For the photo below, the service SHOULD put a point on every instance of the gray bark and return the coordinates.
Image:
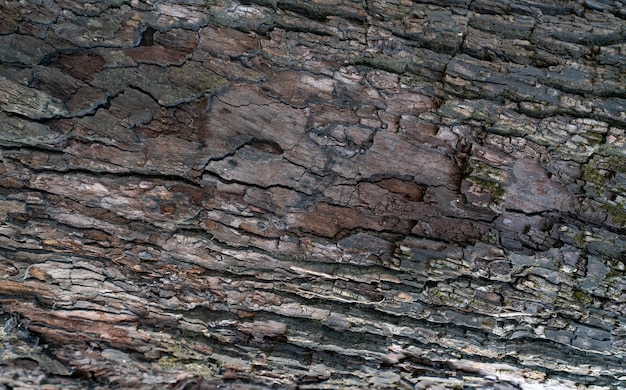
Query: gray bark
(312, 194)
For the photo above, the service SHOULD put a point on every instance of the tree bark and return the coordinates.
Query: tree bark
(312, 194)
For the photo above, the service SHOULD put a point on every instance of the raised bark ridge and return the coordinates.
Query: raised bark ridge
(368, 193)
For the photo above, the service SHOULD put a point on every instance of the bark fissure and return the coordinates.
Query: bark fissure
(299, 194)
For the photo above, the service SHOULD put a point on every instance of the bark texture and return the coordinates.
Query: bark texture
(322, 194)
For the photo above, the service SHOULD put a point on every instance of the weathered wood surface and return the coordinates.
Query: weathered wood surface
(385, 193)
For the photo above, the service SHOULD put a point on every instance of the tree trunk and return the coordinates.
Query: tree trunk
(312, 193)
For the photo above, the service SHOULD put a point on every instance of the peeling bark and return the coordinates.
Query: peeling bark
(306, 194)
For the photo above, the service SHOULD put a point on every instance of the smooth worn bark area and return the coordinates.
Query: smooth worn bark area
(312, 194)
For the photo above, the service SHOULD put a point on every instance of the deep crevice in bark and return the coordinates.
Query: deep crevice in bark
(304, 194)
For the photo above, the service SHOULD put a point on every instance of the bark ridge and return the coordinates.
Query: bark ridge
(313, 194)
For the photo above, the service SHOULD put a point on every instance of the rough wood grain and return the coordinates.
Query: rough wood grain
(312, 194)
